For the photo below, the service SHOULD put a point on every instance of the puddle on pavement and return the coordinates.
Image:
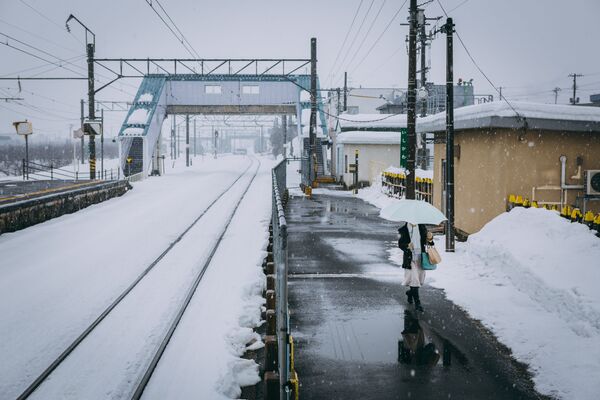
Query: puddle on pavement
(390, 335)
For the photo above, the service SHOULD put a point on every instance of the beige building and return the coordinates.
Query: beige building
(498, 153)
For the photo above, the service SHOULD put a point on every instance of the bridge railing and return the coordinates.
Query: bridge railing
(280, 259)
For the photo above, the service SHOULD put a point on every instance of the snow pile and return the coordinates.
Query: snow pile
(531, 277)
(139, 116)
(421, 173)
(146, 98)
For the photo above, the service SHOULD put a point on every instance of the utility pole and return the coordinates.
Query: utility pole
(423, 40)
(448, 28)
(91, 108)
(575, 100)
(500, 92)
(345, 91)
(312, 133)
(82, 143)
(172, 137)
(187, 140)
(195, 137)
(556, 90)
(411, 100)
(102, 144)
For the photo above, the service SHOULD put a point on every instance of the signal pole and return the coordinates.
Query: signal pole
(411, 100)
(575, 100)
(312, 133)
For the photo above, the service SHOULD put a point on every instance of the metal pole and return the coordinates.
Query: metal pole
(284, 126)
(312, 133)
(195, 137)
(345, 91)
(187, 140)
(423, 37)
(82, 144)
(411, 101)
(91, 110)
(102, 143)
(27, 156)
(449, 29)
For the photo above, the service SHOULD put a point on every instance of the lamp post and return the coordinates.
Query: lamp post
(90, 48)
(24, 128)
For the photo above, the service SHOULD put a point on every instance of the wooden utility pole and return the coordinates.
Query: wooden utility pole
(411, 101)
(556, 90)
(448, 28)
(575, 100)
(345, 91)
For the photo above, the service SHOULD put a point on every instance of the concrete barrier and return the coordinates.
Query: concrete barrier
(22, 214)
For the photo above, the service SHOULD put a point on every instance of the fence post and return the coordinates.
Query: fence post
(51, 172)
(76, 176)
(23, 164)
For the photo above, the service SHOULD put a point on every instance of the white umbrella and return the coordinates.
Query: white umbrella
(412, 211)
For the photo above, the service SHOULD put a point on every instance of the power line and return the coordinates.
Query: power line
(357, 32)
(60, 27)
(181, 40)
(366, 35)
(478, 67)
(39, 36)
(380, 36)
(345, 39)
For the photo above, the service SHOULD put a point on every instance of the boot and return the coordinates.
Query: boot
(409, 296)
(415, 295)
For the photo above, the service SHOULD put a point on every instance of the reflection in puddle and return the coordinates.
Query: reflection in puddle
(421, 346)
(366, 337)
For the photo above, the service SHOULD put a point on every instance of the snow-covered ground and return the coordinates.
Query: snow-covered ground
(532, 278)
(56, 277)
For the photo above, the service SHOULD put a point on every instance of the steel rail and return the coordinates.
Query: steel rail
(165, 342)
(48, 371)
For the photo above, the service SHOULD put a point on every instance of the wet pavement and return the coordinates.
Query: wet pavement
(12, 191)
(357, 338)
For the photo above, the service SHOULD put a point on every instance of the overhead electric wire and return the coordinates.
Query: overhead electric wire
(39, 36)
(40, 66)
(345, 39)
(357, 33)
(60, 27)
(380, 36)
(366, 35)
(479, 68)
(181, 40)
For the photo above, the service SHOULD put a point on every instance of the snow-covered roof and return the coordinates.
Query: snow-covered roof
(500, 115)
(369, 137)
(373, 121)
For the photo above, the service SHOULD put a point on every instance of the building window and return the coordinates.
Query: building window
(212, 89)
(345, 163)
(250, 89)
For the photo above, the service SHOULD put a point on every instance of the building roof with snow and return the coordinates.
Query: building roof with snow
(369, 137)
(500, 114)
(371, 122)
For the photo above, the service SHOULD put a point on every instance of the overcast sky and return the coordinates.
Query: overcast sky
(526, 46)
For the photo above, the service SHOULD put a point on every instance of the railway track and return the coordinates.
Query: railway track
(149, 370)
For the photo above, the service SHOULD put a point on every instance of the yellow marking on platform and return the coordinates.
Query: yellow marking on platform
(45, 191)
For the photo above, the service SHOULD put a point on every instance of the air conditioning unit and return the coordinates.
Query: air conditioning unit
(592, 182)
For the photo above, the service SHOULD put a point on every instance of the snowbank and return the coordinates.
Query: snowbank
(532, 278)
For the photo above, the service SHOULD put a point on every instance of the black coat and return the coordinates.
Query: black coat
(404, 241)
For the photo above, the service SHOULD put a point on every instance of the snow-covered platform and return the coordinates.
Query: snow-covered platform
(349, 315)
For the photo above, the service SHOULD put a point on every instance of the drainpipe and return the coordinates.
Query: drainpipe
(563, 176)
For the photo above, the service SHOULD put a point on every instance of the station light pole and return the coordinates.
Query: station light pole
(24, 128)
(90, 48)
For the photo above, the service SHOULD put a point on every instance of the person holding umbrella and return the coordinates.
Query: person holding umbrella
(412, 239)
(413, 236)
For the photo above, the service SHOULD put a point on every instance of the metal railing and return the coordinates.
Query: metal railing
(281, 274)
(36, 172)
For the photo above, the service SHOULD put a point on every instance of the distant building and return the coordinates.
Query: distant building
(499, 153)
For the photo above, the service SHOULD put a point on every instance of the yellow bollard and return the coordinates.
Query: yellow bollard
(534, 204)
(526, 203)
(575, 215)
(511, 202)
(588, 219)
